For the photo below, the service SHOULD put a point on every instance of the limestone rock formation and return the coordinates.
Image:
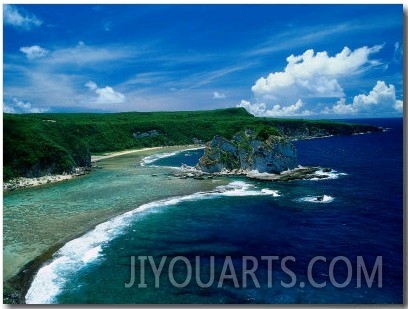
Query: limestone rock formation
(245, 152)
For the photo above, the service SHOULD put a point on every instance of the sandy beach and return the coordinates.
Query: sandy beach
(24, 182)
(21, 266)
(97, 158)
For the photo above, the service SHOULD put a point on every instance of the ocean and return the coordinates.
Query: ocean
(337, 240)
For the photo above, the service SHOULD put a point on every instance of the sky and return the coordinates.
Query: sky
(309, 61)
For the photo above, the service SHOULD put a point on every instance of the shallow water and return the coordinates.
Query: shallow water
(35, 219)
(359, 214)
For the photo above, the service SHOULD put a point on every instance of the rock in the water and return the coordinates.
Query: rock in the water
(246, 153)
(320, 198)
(297, 173)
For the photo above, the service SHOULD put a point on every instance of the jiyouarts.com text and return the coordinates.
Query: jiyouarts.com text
(211, 271)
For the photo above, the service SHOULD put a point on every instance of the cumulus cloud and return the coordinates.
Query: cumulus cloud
(18, 18)
(260, 109)
(318, 77)
(381, 99)
(398, 106)
(17, 106)
(218, 95)
(105, 95)
(8, 109)
(33, 52)
(313, 74)
(256, 109)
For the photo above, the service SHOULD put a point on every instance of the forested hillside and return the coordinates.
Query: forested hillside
(40, 144)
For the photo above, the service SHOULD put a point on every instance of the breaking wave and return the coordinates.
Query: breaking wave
(78, 253)
(317, 199)
(150, 159)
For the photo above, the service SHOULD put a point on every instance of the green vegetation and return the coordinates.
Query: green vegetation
(39, 144)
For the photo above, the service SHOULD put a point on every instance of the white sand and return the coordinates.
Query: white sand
(23, 182)
(120, 153)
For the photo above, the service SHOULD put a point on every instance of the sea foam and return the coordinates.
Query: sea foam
(332, 174)
(76, 254)
(150, 159)
(317, 199)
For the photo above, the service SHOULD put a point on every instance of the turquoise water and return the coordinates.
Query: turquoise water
(361, 215)
(35, 219)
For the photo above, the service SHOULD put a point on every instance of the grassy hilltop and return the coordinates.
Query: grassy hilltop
(39, 144)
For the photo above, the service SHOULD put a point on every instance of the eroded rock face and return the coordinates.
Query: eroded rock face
(246, 153)
(211, 161)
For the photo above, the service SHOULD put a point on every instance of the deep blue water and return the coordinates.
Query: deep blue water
(361, 215)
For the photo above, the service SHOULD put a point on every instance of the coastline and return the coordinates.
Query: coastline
(108, 155)
(16, 286)
(25, 182)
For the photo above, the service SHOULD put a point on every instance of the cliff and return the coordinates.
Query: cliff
(40, 144)
(247, 152)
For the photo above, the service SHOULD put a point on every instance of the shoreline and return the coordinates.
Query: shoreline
(16, 287)
(26, 182)
(96, 158)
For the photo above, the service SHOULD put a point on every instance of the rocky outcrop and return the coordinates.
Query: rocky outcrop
(298, 173)
(150, 133)
(247, 153)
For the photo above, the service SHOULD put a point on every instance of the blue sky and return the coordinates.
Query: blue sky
(310, 61)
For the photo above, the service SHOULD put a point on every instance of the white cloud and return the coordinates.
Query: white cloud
(58, 79)
(80, 44)
(295, 38)
(91, 85)
(218, 95)
(397, 47)
(17, 106)
(259, 109)
(398, 105)
(83, 54)
(256, 109)
(39, 84)
(146, 78)
(319, 76)
(201, 79)
(14, 17)
(106, 95)
(398, 52)
(34, 51)
(313, 74)
(381, 99)
(340, 108)
(8, 109)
